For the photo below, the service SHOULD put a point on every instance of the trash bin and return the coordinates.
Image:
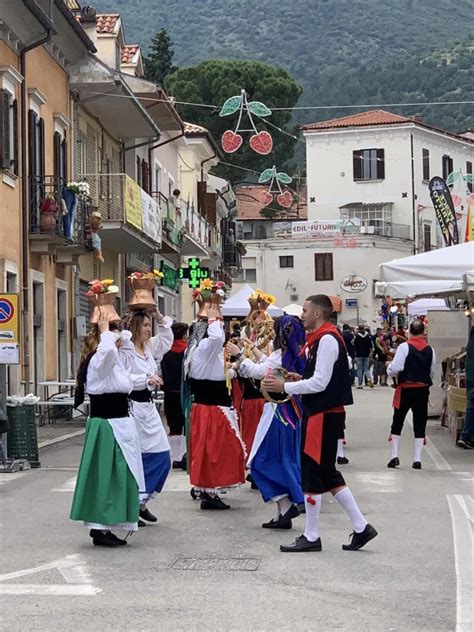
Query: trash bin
(22, 440)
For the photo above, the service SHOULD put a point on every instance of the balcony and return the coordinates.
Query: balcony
(199, 236)
(59, 225)
(131, 219)
(257, 231)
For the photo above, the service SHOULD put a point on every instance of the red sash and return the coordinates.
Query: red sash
(419, 343)
(314, 433)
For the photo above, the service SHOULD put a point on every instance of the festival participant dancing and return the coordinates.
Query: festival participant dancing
(216, 453)
(325, 389)
(110, 474)
(414, 364)
(275, 458)
(140, 355)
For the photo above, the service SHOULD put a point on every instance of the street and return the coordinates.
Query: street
(200, 570)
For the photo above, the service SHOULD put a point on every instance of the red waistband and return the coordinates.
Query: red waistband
(397, 396)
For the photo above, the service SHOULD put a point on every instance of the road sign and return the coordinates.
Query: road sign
(351, 302)
(9, 329)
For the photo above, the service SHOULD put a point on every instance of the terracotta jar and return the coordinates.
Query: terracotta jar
(204, 304)
(104, 303)
(142, 298)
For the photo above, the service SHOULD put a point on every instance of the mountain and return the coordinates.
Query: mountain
(342, 51)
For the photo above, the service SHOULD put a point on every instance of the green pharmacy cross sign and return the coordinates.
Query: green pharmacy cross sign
(193, 274)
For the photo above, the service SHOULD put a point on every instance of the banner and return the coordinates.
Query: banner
(444, 209)
(133, 203)
(151, 217)
(324, 228)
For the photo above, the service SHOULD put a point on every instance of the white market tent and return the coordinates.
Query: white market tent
(422, 305)
(439, 272)
(293, 309)
(238, 306)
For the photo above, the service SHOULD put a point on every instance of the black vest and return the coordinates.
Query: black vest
(251, 388)
(338, 392)
(417, 366)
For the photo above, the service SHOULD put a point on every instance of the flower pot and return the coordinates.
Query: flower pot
(104, 303)
(142, 298)
(205, 303)
(48, 222)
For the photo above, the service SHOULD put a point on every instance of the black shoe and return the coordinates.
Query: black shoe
(147, 515)
(121, 541)
(341, 460)
(180, 465)
(195, 495)
(277, 524)
(212, 502)
(394, 462)
(301, 508)
(360, 539)
(465, 444)
(99, 538)
(141, 523)
(301, 545)
(416, 465)
(249, 478)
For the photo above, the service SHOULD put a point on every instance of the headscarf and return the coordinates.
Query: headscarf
(292, 337)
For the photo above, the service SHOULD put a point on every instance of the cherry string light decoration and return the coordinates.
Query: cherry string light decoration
(284, 196)
(231, 141)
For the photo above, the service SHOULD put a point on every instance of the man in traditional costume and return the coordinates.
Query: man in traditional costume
(325, 389)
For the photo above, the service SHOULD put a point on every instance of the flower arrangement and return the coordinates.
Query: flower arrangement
(154, 275)
(81, 189)
(106, 286)
(208, 288)
(261, 296)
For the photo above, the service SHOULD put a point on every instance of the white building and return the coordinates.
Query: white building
(371, 169)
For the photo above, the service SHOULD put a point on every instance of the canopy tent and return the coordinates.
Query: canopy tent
(436, 273)
(422, 305)
(237, 305)
(293, 309)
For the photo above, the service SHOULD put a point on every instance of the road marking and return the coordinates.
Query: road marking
(7, 478)
(462, 518)
(464, 476)
(71, 435)
(67, 486)
(72, 568)
(386, 482)
(434, 454)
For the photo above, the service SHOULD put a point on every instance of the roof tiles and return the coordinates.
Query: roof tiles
(372, 117)
(107, 22)
(128, 53)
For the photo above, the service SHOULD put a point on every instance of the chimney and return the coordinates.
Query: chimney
(88, 22)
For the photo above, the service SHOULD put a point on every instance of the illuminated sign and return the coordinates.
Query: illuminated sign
(193, 274)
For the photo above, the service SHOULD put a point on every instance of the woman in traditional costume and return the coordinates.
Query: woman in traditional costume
(275, 457)
(140, 355)
(110, 476)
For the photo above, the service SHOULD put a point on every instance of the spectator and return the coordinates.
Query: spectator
(363, 348)
(349, 340)
(380, 358)
(172, 370)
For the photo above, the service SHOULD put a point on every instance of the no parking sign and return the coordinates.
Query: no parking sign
(9, 330)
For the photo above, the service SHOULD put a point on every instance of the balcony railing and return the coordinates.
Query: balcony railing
(55, 212)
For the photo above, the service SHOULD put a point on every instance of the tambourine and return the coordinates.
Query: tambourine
(276, 398)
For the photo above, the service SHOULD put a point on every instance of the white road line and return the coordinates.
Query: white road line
(462, 518)
(68, 590)
(67, 486)
(65, 437)
(8, 478)
(386, 482)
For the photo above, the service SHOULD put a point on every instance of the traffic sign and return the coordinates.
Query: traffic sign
(351, 302)
(9, 329)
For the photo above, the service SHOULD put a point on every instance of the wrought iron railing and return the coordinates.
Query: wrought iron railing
(57, 211)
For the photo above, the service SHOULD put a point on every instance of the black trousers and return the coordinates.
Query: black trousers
(174, 412)
(416, 400)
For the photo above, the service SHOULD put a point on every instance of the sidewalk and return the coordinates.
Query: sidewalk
(50, 434)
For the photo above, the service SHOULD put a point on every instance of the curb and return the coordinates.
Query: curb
(71, 435)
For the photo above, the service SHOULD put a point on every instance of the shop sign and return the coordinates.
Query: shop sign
(194, 274)
(9, 329)
(170, 278)
(353, 283)
(318, 229)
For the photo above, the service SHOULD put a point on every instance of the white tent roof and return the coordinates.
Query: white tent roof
(422, 305)
(293, 309)
(238, 305)
(439, 272)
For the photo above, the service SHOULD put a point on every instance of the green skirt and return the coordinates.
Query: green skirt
(106, 493)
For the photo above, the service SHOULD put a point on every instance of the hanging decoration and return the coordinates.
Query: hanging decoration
(284, 197)
(261, 142)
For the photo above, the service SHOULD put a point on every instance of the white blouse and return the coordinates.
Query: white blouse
(257, 370)
(207, 362)
(106, 373)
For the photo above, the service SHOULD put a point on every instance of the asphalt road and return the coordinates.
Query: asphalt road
(204, 571)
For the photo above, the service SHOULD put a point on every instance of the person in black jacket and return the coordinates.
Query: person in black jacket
(363, 347)
(172, 371)
(349, 340)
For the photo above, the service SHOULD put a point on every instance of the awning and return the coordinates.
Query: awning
(107, 96)
(238, 305)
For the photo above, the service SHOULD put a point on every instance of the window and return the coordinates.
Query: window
(60, 156)
(469, 172)
(323, 266)
(373, 219)
(8, 132)
(426, 164)
(426, 237)
(36, 158)
(369, 164)
(157, 184)
(447, 164)
(287, 261)
(250, 275)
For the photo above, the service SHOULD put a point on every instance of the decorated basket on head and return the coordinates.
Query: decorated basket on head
(102, 295)
(259, 323)
(209, 293)
(143, 285)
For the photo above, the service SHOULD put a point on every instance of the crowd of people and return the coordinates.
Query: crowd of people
(266, 404)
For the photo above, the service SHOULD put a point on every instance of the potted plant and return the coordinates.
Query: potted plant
(241, 248)
(48, 208)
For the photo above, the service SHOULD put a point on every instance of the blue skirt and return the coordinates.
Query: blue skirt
(276, 467)
(156, 466)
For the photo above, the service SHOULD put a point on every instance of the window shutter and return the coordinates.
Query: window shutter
(4, 129)
(42, 169)
(32, 118)
(15, 168)
(64, 157)
(57, 154)
(357, 164)
(380, 164)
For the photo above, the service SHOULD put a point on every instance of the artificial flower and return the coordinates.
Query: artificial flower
(158, 273)
(113, 289)
(220, 292)
(206, 284)
(107, 282)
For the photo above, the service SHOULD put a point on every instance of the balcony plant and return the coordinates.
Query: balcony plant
(240, 248)
(48, 208)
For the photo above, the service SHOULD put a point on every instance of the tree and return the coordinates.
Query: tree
(160, 62)
(213, 82)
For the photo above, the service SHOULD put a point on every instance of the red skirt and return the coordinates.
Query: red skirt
(216, 452)
(252, 410)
